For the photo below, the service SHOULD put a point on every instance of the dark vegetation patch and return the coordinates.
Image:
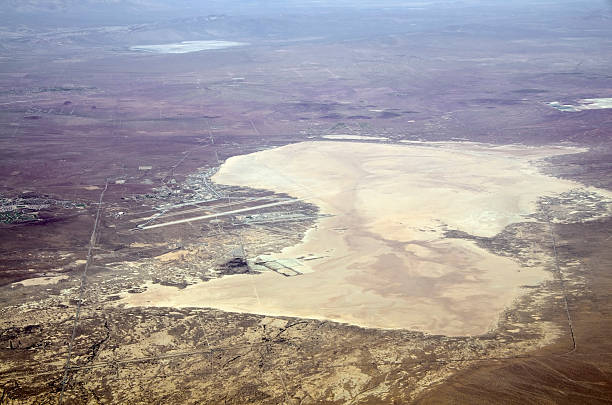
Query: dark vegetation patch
(389, 114)
(530, 91)
(334, 116)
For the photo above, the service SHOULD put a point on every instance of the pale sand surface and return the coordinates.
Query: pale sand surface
(42, 280)
(386, 261)
(584, 104)
(340, 137)
(186, 46)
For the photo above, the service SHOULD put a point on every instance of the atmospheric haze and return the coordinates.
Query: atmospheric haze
(305, 201)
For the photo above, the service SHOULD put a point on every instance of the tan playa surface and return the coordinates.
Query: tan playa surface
(387, 263)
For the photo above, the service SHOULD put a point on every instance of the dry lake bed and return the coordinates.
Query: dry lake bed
(383, 258)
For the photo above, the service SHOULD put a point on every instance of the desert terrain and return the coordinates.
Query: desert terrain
(381, 258)
(303, 203)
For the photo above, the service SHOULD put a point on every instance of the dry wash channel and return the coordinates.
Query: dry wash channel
(383, 258)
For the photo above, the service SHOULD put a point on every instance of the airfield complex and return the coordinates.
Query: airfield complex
(267, 209)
